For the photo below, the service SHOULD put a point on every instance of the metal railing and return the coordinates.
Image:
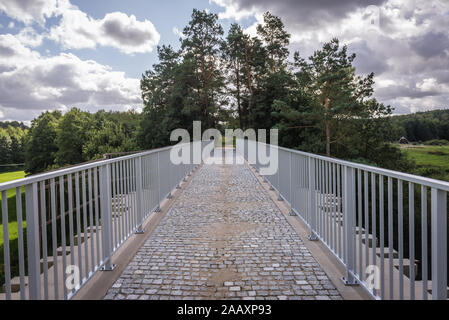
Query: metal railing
(60, 227)
(389, 229)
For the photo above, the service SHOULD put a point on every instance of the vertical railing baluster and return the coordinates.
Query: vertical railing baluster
(340, 250)
(85, 232)
(54, 233)
(366, 205)
(401, 238)
(411, 221)
(140, 215)
(97, 219)
(63, 235)
(292, 212)
(337, 216)
(327, 207)
(312, 199)
(128, 198)
(424, 258)
(411, 230)
(158, 209)
(6, 256)
(20, 242)
(373, 222)
(44, 237)
(32, 219)
(382, 239)
(439, 244)
(349, 224)
(71, 232)
(106, 221)
(78, 221)
(360, 234)
(321, 206)
(390, 235)
(91, 221)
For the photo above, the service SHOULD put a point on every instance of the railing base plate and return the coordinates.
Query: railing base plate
(292, 213)
(108, 268)
(141, 231)
(347, 282)
(312, 237)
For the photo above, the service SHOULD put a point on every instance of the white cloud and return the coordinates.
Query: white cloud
(232, 10)
(77, 30)
(28, 11)
(29, 37)
(11, 25)
(31, 83)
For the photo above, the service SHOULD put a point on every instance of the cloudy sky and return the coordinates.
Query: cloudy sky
(57, 54)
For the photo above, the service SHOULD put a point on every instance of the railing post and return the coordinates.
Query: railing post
(349, 196)
(312, 200)
(278, 178)
(292, 212)
(139, 206)
(158, 209)
(33, 248)
(439, 244)
(106, 216)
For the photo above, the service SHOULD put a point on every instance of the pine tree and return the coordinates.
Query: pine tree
(202, 43)
(336, 92)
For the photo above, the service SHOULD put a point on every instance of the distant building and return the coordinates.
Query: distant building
(403, 140)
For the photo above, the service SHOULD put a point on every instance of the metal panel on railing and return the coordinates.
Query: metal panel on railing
(388, 228)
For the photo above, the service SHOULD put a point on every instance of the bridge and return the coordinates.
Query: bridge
(142, 227)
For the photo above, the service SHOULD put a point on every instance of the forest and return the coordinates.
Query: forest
(423, 126)
(320, 103)
(12, 143)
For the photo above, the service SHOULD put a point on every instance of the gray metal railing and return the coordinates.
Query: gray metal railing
(68, 223)
(389, 229)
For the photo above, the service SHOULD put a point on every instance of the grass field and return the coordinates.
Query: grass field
(12, 224)
(5, 177)
(431, 161)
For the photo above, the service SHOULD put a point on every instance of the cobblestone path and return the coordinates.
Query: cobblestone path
(223, 238)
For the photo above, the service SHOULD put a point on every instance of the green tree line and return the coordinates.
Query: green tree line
(423, 126)
(55, 140)
(12, 142)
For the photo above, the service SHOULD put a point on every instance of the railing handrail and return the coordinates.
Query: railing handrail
(428, 182)
(64, 171)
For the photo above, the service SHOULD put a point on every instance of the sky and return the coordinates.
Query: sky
(58, 54)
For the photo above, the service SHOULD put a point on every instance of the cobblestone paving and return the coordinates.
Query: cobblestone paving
(223, 238)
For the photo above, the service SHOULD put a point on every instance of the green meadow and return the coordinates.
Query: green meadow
(12, 222)
(431, 161)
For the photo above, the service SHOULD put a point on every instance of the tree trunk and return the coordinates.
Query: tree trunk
(328, 138)
(250, 89)
(327, 125)
(238, 97)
